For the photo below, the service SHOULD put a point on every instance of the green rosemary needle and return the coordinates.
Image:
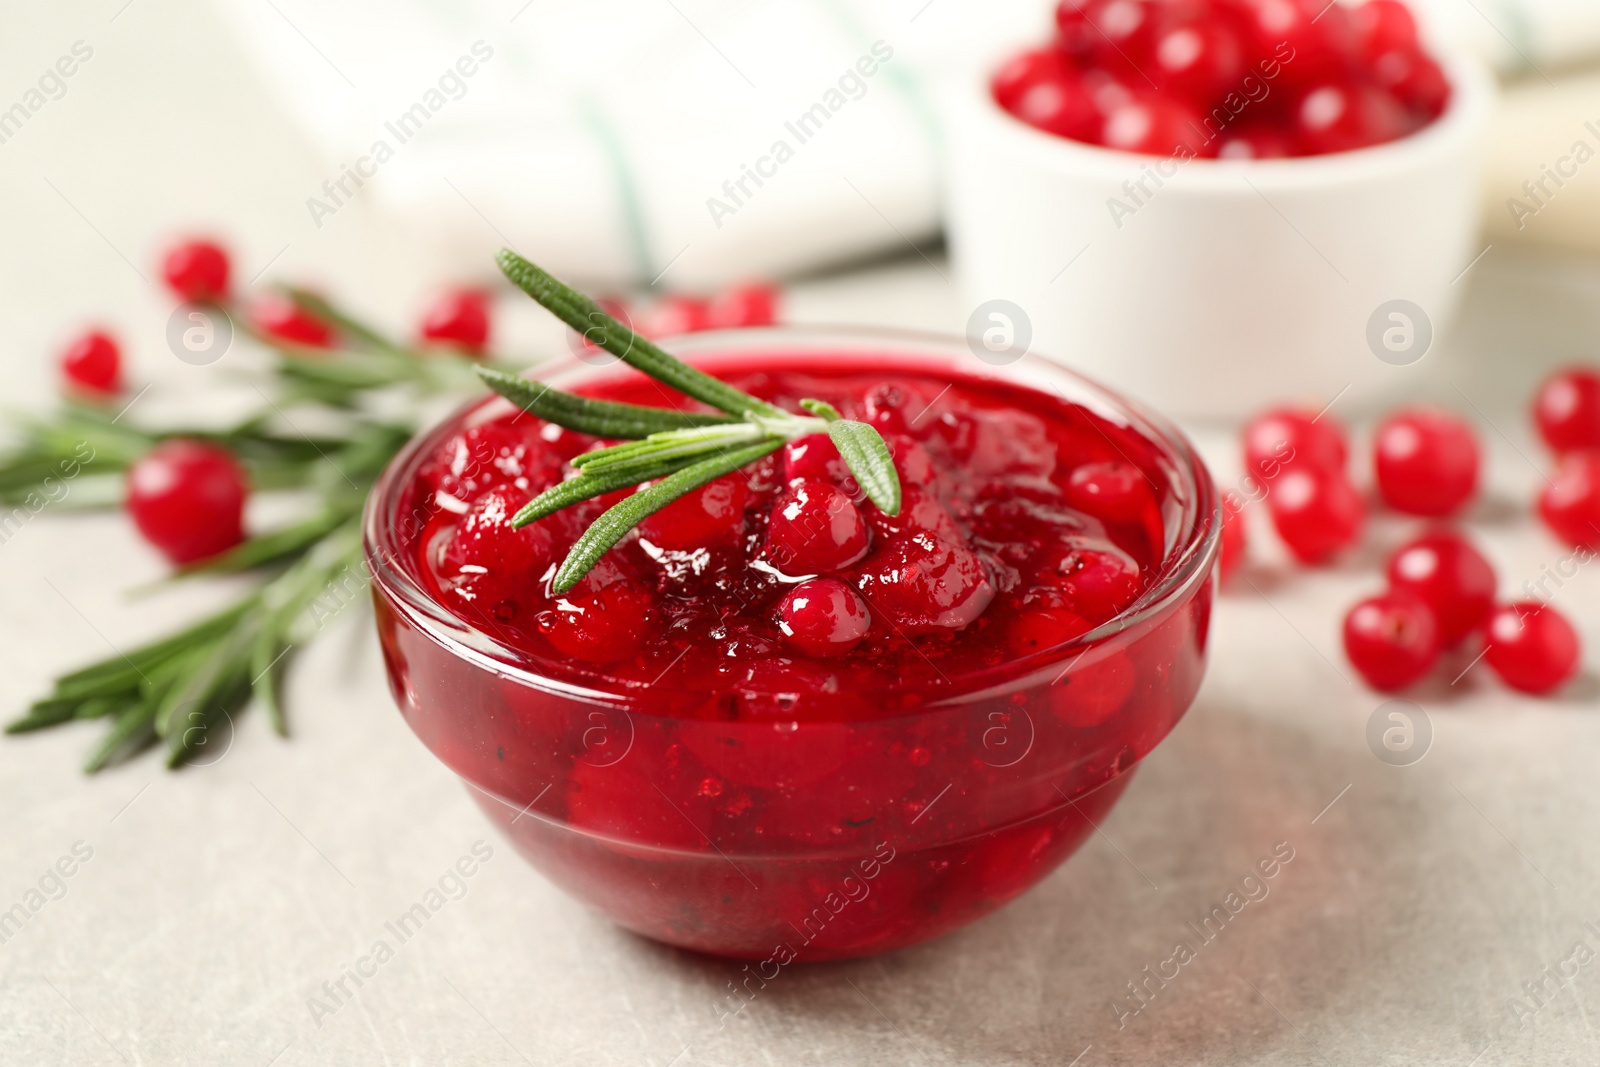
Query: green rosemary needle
(176, 690)
(676, 452)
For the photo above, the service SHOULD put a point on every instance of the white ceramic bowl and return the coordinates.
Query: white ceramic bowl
(1235, 283)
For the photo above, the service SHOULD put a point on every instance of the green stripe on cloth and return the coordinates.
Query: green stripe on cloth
(902, 77)
(1519, 35)
(599, 124)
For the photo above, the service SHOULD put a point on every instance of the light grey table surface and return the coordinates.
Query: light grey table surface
(217, 901)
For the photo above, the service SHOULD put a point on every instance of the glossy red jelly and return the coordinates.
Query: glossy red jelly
(778, 723)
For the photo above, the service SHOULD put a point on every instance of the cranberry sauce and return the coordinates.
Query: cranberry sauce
(775, 723)
(1026, 522)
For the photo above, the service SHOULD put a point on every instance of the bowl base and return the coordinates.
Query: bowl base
(806, 909)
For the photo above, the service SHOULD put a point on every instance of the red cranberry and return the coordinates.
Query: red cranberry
(1125, 32)
(1567, 409)
(494, 569)
(196, 270)
(564, 443)
(1042, 629)
(187, 498)
(1309, 41)
(604, 619)
(814, 456)
(507, 451)
(1095, 579)
(1113, 491)
(743, 306)
(1416, 81)
(815, 529)
(1060, 104)
(920, 513)
(920, 584)
(92, 364)
(459, 317)
(276, 315)
(1392, 639)
(1532, 647)
(1426, 461)
(1385, 26)
(625, 802)
(991, 448)
(1233, 542)
(707, 517)
(1075, 33)
(1199, 59)
(673, 315)
(1570, 503)
(1093, 690)
(1444, 571)
(1154, 126)
(1108, 92)
(1023, 71)
(1343, 78)
(1287, 437)
(912, 461)
(823, 617)
(896, 407)
(1341, 118)
(1316, 514)
(1004, 863)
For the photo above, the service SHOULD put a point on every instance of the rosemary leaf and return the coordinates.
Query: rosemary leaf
(822, 410)
(350, 371)
(269, 547)
(588, 486)
(643, 467)
(589, 319)
(199, 728)
(320, 308)
(267, 662)
(166, 684)
(675, 445)
(609, 528)
(118, 673)
(100, 707)
(42, 714)
(865, 453)
(602, 418)
(133, 730)
(600, 457)
(107, 678)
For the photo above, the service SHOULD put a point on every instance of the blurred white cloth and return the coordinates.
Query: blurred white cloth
(617, 140)
(596, 133)
(1520, 36)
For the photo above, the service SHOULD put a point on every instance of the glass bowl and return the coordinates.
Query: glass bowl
(811, 825)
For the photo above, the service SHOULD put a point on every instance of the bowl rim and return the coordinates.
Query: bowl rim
(1191, 552)
(1464, 120)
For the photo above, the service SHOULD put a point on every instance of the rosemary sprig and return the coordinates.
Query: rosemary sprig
(598, 327)
(866, 454)
(609, 528)
(178, 688)
(174, 691)
(602, 418)
(675, 452)
(178, 691)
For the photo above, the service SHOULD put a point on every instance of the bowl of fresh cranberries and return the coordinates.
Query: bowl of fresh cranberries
(774, 722)
(1210, 203)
